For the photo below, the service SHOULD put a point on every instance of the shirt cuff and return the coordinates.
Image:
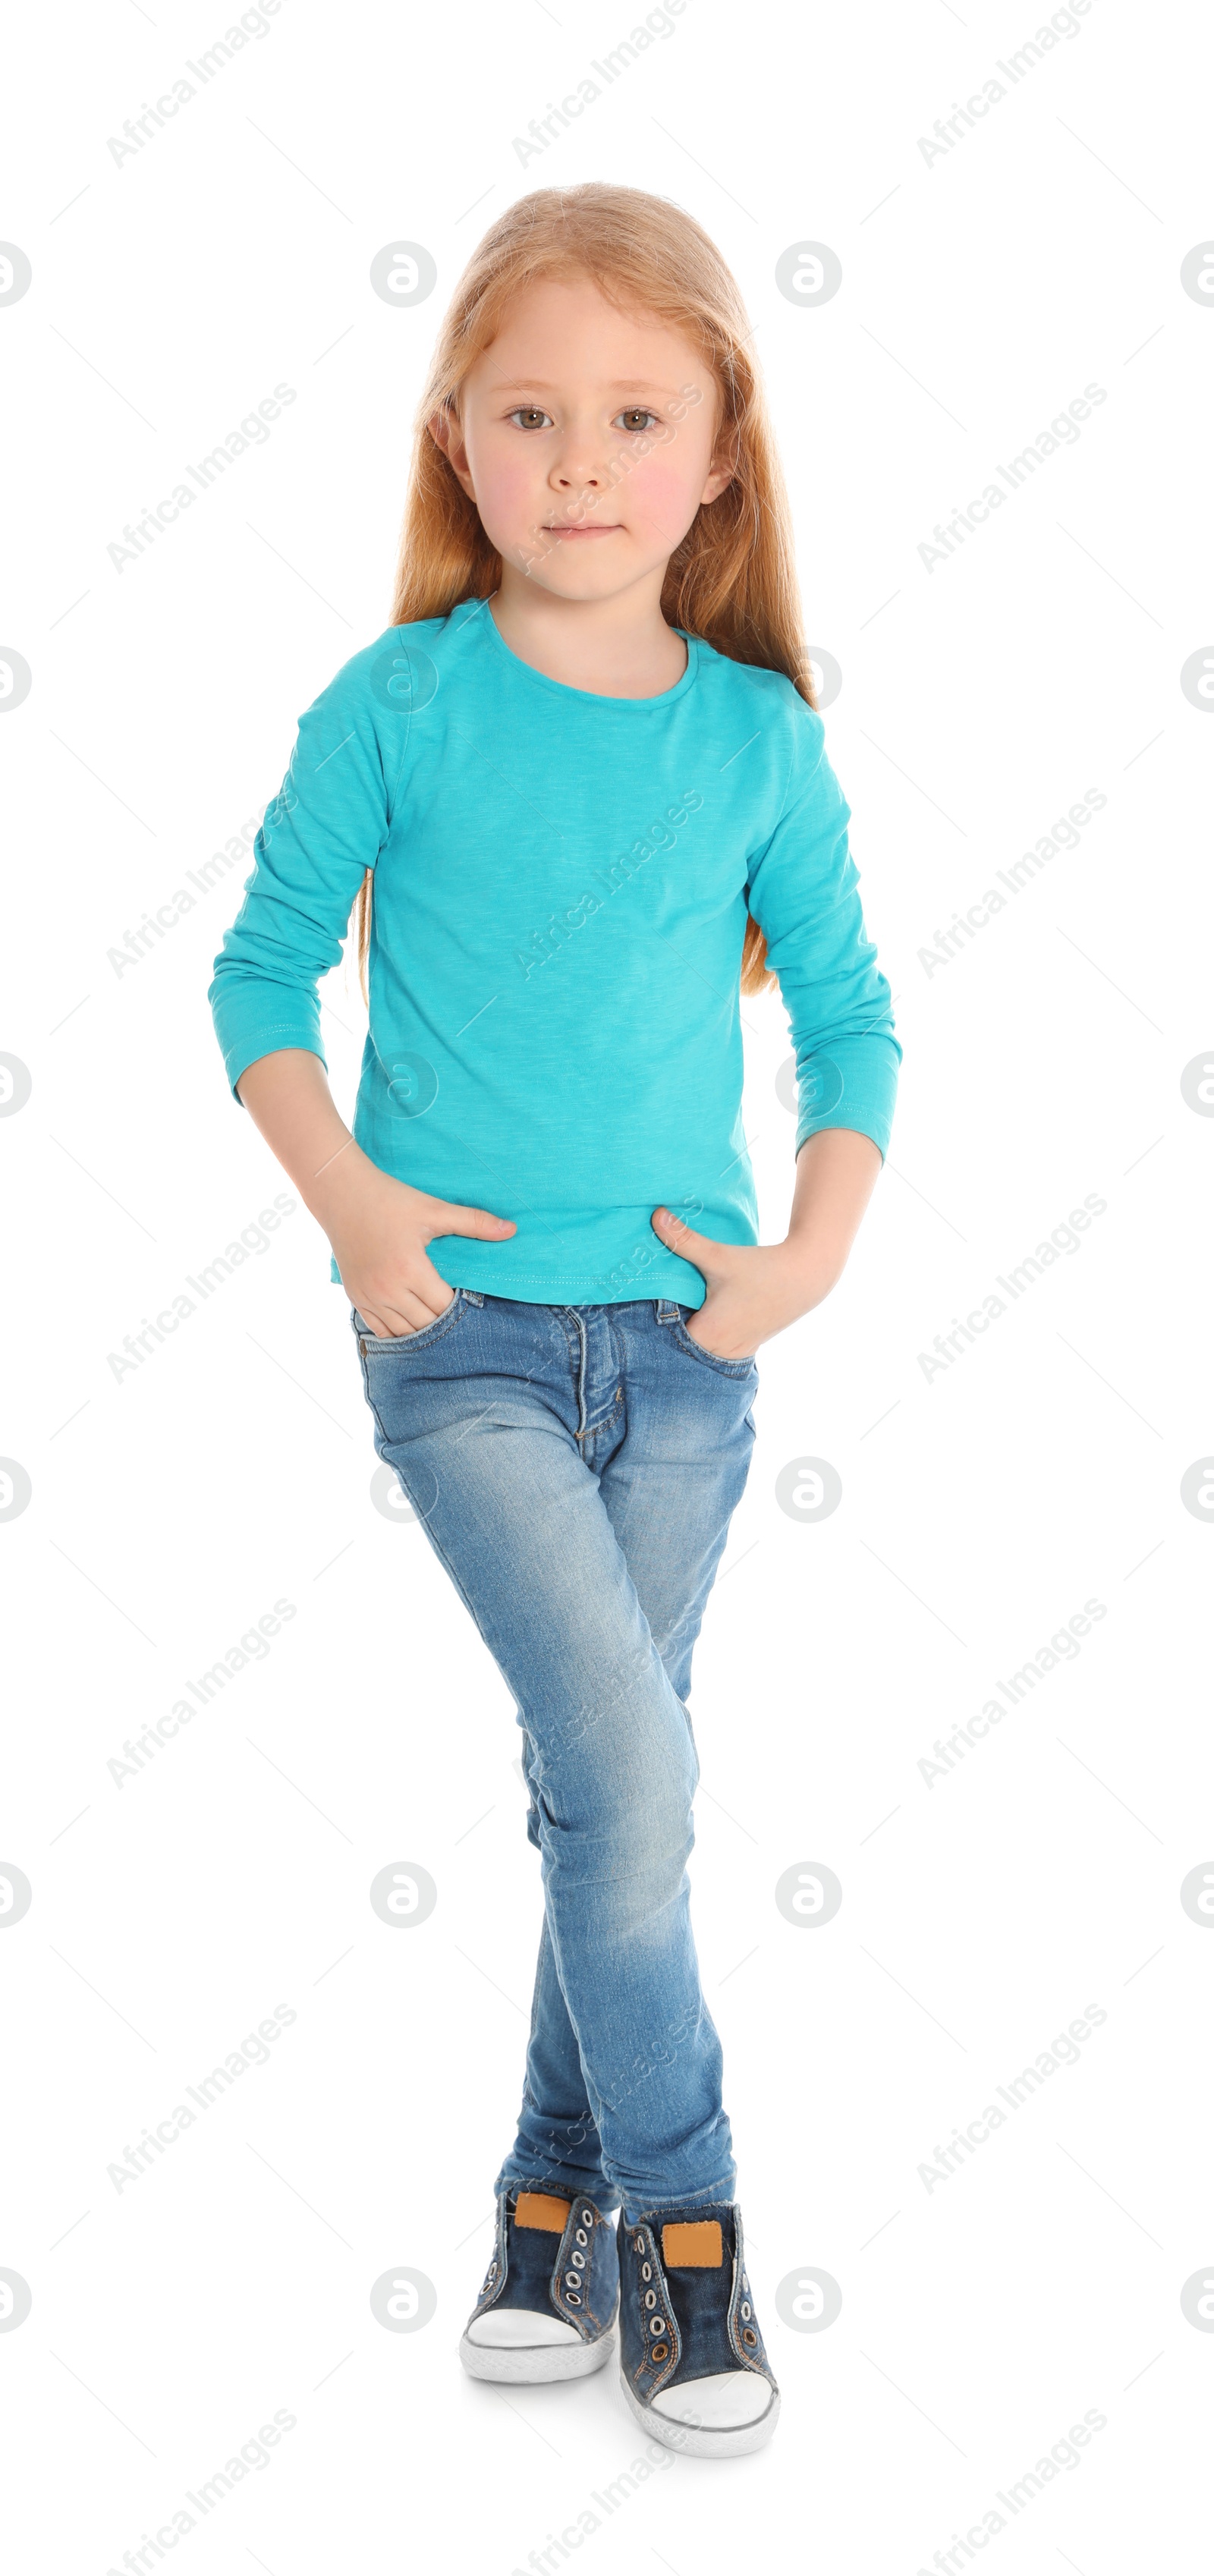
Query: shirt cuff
(854, 1085)
(240, 1052)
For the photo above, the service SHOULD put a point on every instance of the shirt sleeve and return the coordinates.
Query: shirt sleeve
(804, 894)
(327, 824)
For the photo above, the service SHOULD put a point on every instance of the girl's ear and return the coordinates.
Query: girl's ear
(445, 430)
(721, 471)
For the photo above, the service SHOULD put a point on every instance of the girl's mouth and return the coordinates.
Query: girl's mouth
(566, 533)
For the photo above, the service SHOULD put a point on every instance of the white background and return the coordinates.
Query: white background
(981, 1507)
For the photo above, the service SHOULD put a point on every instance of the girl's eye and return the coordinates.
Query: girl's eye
(638, 419)
(528, 416)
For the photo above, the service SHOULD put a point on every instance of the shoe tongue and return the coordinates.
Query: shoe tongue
(697, 2253)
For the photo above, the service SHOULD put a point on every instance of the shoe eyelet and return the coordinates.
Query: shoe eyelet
(573, 2281)
(659, 2352)
(581, 2236)
(571, 2299)
(647, 2271)
(577, 2258)
(749, 2336)
(493, 2272)
(651, 2298)
(587, 2218)
(638, 2244)
(657, 2325)
(746, 2307)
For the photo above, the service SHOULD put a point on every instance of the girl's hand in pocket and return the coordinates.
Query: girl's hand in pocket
(379, 1229)
(755, 1290)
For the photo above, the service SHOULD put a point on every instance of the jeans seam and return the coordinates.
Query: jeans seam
(583, 1354)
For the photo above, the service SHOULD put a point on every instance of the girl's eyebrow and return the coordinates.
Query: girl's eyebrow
(621, 384)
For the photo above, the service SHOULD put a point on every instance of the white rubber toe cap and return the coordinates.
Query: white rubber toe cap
(510, 2329)
(722, 2403)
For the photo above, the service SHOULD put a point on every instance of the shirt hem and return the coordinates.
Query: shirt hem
(617, 1297)
(531, 1289)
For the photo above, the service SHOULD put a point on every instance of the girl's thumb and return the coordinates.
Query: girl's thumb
(699, 1249)
(469, 1220)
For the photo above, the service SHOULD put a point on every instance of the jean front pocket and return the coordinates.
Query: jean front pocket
(378, 1345)
(713, 1359)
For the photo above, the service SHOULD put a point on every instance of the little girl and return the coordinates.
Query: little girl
(578, 799)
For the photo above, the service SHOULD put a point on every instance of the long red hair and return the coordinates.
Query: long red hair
(733, 580)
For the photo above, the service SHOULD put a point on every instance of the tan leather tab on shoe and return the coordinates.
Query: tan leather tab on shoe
(543, 2209)
(694, 2246)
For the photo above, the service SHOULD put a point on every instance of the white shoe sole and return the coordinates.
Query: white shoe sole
(520, 2363)
(704, 2441)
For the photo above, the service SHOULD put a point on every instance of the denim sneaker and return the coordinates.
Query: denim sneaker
(548, 2301)
(692, 2363)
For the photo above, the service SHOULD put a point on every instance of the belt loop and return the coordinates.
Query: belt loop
(666, 1310)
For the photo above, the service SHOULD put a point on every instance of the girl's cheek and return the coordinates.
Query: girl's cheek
(505, 493)
(663, 493)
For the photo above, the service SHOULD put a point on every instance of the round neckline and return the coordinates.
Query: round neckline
(596, 697)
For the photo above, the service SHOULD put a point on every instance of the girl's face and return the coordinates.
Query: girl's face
(587, 439)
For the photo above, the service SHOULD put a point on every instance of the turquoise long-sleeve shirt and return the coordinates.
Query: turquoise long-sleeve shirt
(561, 889)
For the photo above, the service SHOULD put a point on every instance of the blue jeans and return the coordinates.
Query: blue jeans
(576, 1468)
